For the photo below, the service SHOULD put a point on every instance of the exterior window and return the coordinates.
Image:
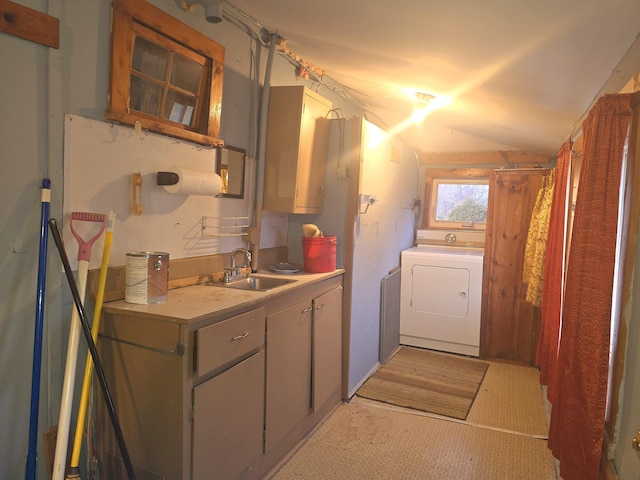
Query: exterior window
(458, 203)
(170, 80)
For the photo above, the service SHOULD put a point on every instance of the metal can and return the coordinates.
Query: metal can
(146, 277)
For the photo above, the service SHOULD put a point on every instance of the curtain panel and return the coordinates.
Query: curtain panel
(547, 349)
(534, 251)
(578, 413)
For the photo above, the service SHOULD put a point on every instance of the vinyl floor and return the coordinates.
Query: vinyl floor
(503, 437)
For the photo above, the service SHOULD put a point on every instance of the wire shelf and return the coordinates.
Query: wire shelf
(224, 226)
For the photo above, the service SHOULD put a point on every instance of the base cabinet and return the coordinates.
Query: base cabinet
(304, 362)
(229, 421)
(288, 371)
(225, 403)
(327, 347)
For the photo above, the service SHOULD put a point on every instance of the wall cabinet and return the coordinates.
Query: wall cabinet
(296, 150)
(509, 325)
(211, 398)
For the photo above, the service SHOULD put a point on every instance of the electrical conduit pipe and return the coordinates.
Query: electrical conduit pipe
(262, 142)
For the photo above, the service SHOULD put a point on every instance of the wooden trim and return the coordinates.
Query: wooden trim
(499, 158)
(161, 21)
(125, 15)
(446, 173)
(154, 125)
(29, 24)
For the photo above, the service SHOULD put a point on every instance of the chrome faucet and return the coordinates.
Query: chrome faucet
(234, 273)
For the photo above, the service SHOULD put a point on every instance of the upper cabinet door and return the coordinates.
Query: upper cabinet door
(296, 150)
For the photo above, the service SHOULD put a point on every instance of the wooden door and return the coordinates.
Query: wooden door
(510, 324)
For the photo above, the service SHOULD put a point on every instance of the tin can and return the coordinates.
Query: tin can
(146, 277)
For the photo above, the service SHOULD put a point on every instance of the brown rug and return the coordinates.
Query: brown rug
(427, 381)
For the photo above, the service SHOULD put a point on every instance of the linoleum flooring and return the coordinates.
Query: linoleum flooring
(503, 437)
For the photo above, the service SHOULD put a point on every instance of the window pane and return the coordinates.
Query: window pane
(146, 96)
(186, 74)
(179, 108)
(461, 202)
(150, 59)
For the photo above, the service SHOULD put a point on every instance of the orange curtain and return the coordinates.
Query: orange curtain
(553, 272)
(578, 413)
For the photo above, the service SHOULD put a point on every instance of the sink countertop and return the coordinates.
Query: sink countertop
(195, 302)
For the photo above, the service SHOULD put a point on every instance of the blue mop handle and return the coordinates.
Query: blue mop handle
(37, 342)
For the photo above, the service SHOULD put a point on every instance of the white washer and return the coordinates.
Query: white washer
(441, 298)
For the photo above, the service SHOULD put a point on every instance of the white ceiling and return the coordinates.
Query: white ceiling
(522, 73)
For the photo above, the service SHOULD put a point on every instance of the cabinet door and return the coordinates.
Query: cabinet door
(509, 322)
(296, 150)
(312, 159)
(288, 371)
(327, 346)
(228, 421)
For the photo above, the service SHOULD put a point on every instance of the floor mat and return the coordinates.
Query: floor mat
(428, 381)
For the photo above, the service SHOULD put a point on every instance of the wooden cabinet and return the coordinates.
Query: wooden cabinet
(229, 421)
(288, 370)
(327, 346)
(509, 324)
(304, 362)
(222, 396)
(228, 409)
(296, 150)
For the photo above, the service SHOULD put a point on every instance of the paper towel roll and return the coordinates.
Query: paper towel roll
(194, 182)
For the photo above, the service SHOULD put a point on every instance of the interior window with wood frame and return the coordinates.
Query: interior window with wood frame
(164, 75)
(456, 203)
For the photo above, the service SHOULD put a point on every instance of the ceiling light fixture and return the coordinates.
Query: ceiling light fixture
(424, 98)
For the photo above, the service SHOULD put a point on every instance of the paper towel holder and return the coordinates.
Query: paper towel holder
(168, 178)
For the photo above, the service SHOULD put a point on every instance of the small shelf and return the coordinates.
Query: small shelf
(213, 227)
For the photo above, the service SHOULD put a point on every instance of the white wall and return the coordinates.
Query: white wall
(388, 170)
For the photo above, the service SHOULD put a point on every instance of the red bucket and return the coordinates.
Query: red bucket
(319, 254)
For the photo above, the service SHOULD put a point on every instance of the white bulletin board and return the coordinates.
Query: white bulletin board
(99, 161)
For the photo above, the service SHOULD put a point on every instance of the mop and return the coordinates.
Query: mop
(74, 471)
(64, 420)
(55, 231)
(32, 457)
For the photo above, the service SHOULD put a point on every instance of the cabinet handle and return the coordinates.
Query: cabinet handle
(320, 307)
(307, 310)
(240, 337)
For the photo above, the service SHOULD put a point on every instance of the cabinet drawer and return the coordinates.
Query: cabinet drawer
(225, 341)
